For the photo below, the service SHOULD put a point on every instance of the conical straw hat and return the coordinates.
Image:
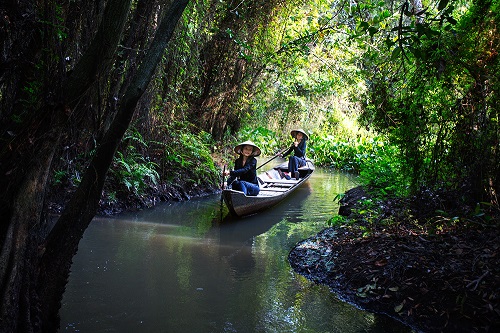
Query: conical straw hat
(256, 150)
(295, 131)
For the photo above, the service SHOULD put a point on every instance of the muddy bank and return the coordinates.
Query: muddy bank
(115, 200)
(445, 280)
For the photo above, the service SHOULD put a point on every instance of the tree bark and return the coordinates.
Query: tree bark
(100, 55)
(19, 250)
(63, 240)
(25, 226)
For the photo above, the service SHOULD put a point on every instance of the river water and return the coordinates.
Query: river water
(188, 267)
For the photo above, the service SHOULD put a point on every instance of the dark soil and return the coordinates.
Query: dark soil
(439, 279)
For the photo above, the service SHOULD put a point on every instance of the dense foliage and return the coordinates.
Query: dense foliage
(423, 76)
(403, 93)
(440, 104)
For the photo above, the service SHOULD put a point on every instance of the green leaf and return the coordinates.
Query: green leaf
(372, 31)
(363, 26)
(395, 53)
(451, 20)
(443, 4)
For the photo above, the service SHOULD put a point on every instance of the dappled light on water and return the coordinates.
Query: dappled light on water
(189, 267)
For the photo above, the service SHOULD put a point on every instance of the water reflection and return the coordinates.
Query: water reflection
(187, 267)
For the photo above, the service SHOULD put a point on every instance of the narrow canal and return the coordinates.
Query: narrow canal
(185, 267)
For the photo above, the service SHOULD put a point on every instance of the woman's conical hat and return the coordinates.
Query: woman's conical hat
(256, 150)
(295, 131)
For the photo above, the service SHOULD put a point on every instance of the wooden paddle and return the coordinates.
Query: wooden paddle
(222, 190)
(277, 154)
(222, 184)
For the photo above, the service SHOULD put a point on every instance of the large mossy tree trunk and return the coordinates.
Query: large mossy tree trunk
(36, 252)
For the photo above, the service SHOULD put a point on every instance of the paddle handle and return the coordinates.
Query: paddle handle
(277, 154)
(223, 177)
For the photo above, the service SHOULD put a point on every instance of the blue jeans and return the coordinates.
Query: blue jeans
(246, 187)
(294, 163)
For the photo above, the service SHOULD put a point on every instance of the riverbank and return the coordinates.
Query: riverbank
(445, 280)
(115, 200)
(174, 184)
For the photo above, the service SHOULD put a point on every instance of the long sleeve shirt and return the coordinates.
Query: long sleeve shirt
(247, 172)
(299, 151)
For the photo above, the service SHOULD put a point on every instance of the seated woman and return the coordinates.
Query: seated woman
(244, 176)
(298, 159)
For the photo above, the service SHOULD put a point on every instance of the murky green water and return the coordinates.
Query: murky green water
(179, 268)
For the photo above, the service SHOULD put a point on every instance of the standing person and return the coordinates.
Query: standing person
(298, 159)
(244, 176)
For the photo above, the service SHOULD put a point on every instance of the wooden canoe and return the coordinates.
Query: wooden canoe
(273, 189)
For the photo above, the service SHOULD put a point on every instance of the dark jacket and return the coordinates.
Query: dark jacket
(299, 151)
(248, 172)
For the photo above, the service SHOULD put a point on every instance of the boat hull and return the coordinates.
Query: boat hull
(273, 190)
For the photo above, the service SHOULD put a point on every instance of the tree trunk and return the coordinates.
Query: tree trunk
(63, 240)
(34, 270)
(19, 251)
